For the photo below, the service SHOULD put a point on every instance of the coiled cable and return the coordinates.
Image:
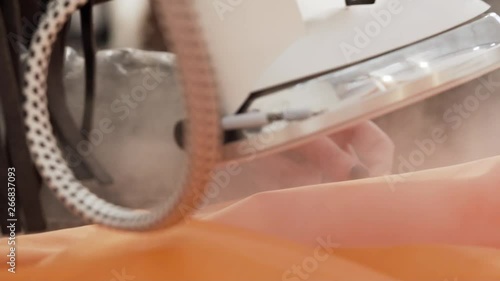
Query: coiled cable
(203, 121)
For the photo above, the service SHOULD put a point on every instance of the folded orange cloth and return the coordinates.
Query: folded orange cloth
(442, 224)
(453, 205)
(210, 251)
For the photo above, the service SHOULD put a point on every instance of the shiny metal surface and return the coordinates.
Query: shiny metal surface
(375, 87)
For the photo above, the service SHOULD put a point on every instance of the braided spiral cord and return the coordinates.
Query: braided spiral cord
(203, 126)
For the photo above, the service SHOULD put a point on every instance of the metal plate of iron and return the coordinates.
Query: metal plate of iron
(373, 88)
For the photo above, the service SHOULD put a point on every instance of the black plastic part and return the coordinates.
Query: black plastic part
(64, 125)
(179, 134)
(359, 2)
(89, 50)
(229, 136)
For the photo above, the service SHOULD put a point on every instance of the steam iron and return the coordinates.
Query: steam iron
(271, 75)
(326, 65)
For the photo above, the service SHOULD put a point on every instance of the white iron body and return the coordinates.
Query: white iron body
(260, 45)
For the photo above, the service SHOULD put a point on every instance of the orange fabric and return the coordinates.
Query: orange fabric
(457, 205)
(441, 225)
(208, 251)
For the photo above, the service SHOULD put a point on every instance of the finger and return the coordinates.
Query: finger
(335, 163)
(373, 147)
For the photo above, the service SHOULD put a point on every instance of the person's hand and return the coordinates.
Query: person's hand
(359, 152)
